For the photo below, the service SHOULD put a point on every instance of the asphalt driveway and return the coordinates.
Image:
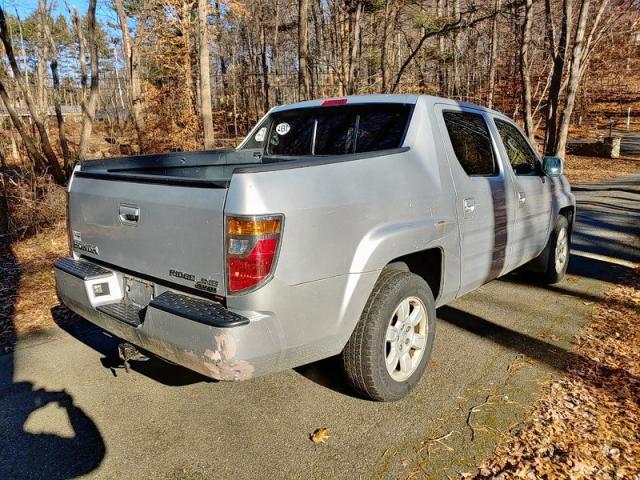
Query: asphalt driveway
(69, 409)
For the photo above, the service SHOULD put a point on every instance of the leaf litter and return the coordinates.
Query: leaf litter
(587, 424)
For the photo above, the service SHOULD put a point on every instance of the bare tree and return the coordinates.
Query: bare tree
(131, 52)
(278, 51)
(304, 74)
(49, 160)
(354, 53)
(493, 58)
(90, 102)
(53, 65)
(525, 73)
(559, 53)
(579, 59)
(206, 109)
(38, 159)
(390, 19)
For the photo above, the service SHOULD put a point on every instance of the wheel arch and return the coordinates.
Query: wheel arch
(570, 213)
(428, 264)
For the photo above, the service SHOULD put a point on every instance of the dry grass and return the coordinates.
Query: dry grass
(586, 426)
(29, 202)
(580, 169)
(27, 286)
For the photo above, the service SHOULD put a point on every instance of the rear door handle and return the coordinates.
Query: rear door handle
(129, 214)
(468, 206)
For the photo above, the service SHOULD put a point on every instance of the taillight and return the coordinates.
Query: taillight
(252, 248)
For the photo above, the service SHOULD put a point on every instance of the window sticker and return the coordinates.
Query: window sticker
(259, 137)
(283, 128)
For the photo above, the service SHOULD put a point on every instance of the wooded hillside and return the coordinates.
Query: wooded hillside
(157, 75)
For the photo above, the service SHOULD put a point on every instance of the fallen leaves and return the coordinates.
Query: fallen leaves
(586, 425)
(320, 435)
(27, 286)
(550, 336)
(581, 169)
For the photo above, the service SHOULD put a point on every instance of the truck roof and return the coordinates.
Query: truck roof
(381, 98)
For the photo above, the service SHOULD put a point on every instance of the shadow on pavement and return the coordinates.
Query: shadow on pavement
(329, 374)
(106, 344)
(608, 225)
(586, 267)
(555, 356)
(28, 455)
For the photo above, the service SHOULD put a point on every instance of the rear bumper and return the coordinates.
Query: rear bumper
(202, 336)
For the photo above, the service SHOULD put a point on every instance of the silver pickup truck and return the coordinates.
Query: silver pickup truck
(336, 227)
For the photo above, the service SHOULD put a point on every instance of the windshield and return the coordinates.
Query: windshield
(335, 130)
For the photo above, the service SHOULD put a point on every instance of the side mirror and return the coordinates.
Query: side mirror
(552, 166)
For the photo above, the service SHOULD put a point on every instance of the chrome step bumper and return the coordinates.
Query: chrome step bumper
(199, 334)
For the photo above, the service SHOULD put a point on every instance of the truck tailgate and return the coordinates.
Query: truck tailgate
(170, 232)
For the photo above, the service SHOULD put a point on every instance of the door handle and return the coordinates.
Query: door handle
(522, 199)
(468, 206)
(129, 214)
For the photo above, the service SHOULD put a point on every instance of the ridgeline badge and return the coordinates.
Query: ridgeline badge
(206, 284)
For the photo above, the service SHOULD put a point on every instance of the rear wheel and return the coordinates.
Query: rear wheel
(558, 252)
(391, 344)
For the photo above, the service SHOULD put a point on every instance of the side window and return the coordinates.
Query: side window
(523, 159)
(258, 138)
(471, 142)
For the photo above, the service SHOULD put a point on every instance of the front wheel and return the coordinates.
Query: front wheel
(391, 344)
(558, 252)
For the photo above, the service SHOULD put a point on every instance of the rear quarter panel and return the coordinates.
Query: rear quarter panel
(343, 223)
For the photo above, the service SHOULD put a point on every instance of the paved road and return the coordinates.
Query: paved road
(68, 409)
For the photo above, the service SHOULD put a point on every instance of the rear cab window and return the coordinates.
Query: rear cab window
(332, 130)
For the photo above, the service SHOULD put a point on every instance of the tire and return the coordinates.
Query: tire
(557, 252)
(367, 352)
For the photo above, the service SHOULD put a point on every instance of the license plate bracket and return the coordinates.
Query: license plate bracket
(138, 292)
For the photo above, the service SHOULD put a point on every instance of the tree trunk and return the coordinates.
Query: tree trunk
(577, 57)
(494, 55)
(132, 62)
(559, 53)
(274, 54)
(354, 55)
(390, 17)
(525, 71)
(36, 157)
(456, 51)
(304, 74)
(77, 24)
(50, 157)
(41, 68)
(64, 144)
(265, 67)
(206, 109)
(89, 104)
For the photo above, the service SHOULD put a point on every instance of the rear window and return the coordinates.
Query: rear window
(334, 130)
